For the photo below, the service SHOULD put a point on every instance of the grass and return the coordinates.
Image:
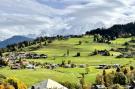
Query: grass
(61, 75)
(58, 48)
(121, 40)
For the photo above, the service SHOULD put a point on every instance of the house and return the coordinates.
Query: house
(82, 66)
(25, 62)
(116, 65)
(104, 66)
(30, 66)
(48, 84)
(35, 56)
(103, 52)
(67, 66)
(51, 66)
(16, 66)
(21, 55)
(100, 87)
(43, 56)
(94, 86)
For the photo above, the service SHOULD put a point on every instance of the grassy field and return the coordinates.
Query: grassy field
(58, 48)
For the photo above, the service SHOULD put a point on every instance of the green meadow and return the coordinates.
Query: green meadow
(55, 52)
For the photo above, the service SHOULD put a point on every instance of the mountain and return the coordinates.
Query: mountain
(13, 40)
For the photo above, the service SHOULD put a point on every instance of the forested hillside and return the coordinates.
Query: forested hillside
(119, 30)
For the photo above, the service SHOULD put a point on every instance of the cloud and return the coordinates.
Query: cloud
(51, 17)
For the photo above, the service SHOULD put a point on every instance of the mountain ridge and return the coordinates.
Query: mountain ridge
(13, 40)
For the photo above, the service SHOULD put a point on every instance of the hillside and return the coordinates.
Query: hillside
(118, 30)
(56, 51)
(13, 40)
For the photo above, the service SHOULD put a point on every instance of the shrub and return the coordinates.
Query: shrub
(120, 78)
(78, 54)
(11, 83)
(70, 85)
(116, 86)
(73, 65)
(69, 61)
(16, 83)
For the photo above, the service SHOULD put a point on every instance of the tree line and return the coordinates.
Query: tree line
(116, 31)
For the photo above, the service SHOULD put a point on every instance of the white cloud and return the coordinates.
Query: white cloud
(22, 17)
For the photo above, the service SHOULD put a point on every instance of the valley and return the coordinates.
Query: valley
(57, 51)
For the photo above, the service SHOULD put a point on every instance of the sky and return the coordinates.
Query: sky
(63, 17)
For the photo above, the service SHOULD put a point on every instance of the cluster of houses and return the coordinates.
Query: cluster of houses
(100, 52)
(108, 66)
(23, 55)
(21, 62)
(126, 55)
(54, 66)
(17, 61)
(21, 65)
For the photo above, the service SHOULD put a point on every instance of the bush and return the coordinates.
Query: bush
(6, 86)
(70, 85)
(120, 78)
(11, 83)
(116, 86)
(126, 44)
(16, 83)
(73, 65)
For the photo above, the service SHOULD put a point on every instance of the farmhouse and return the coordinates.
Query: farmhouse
(48, 84)
(35, 56)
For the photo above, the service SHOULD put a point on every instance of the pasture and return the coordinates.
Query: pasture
(55, 52)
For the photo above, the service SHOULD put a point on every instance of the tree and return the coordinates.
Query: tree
(82, 82)
(99, 79)
(45, 43)
(17, 84)
(120, 78)
(68, 52)
(118, 69)
(69, 61)
(126, 44)
(125, 71)
(80, 42)
(78, 54)
(11, 83)
(1, 54)
(131, 68)
(87, 70)
(63, 63)
(109, 79)
(104, 77)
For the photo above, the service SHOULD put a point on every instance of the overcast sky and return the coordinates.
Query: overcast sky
(50, 17)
